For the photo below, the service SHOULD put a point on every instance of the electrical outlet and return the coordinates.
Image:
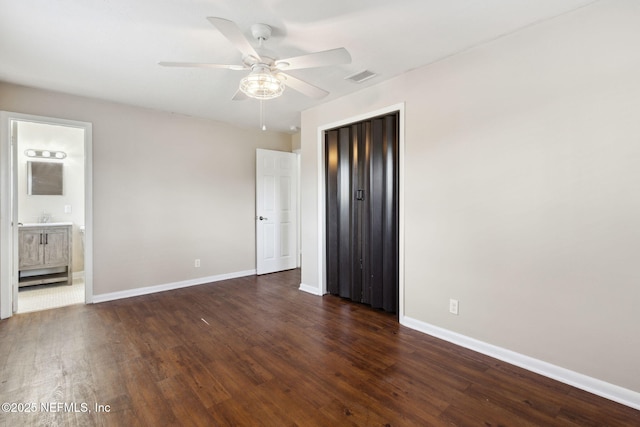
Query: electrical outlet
(196, 262)
(453, 306)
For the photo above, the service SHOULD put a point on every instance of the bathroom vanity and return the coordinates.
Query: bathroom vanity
(44, 253)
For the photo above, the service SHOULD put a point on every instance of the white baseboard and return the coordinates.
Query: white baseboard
(592, 385)
(310, 289)
(169, 286)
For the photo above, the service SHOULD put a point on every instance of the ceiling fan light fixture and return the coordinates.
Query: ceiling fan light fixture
(261, 84)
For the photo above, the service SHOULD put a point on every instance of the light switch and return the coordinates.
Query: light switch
(67, 208)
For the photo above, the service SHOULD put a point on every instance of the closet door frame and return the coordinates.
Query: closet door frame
(322, 235)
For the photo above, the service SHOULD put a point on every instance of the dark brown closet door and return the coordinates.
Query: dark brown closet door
(340, 247)
(362, 211)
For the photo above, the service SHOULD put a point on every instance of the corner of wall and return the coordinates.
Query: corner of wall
(296, 142)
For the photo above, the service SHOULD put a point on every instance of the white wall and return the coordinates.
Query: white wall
(167, 189)
(521, 191)
(41, 136)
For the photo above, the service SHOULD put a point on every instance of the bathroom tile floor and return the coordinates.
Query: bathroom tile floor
(43, 297)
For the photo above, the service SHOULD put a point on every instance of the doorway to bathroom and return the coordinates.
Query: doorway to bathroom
(51, 156)
(47, 249)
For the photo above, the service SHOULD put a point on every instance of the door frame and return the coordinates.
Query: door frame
(8, 203)
(298, 153)
(322, 234)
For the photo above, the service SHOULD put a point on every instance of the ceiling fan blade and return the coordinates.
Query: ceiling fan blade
(318, 59)
(201, 65)
(303, 87)
(230, 30)
(239, 96)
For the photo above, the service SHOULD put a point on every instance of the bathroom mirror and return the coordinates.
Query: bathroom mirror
(44, 179)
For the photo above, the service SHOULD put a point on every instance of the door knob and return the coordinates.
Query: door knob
(262, 218)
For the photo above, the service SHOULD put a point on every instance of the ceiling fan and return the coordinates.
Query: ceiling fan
(267, 78)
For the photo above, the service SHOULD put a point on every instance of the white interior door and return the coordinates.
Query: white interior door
(14, 215)
(276, 216)
(8, 226)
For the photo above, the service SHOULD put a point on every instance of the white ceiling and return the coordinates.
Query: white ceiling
(109, 49)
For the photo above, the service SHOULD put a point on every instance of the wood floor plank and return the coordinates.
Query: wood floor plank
(184, 404)
(197, 377)
(257, 351)
(305, 383)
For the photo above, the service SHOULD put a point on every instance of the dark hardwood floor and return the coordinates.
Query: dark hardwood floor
(257, 351)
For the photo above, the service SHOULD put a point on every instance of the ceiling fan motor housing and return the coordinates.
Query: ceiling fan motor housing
(261, 32)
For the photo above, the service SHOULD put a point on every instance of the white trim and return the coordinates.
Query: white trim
(321, 288)
(592, 385)
(310, 289)
(6, 230)
(298, 153)
(170, 286)
(87, 244)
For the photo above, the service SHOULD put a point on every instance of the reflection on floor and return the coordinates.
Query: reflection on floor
(42, 297)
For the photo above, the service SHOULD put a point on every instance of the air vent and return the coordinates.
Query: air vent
(361, 76)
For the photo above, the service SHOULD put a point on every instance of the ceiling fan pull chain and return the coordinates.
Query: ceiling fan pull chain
(263, 126)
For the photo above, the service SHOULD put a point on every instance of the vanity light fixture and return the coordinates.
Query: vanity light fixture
(45, 154)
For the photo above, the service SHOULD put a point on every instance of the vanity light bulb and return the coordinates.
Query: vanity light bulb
(31, 153)
(59, 155)
(46, 154)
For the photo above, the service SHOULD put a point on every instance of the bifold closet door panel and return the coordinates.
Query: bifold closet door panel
(332, 206)
(360, 175)
(340, 212)
(384, 213)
